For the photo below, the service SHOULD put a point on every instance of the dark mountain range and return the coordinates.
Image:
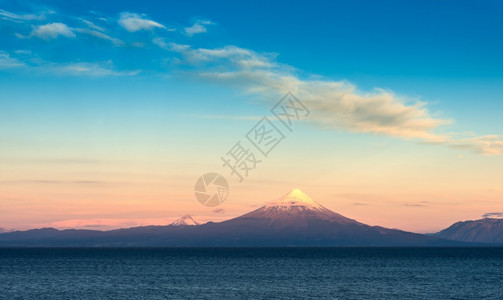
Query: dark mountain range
(487, 230)
(293, 220)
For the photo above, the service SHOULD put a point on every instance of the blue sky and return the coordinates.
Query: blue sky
(419, 49)
(153, 82)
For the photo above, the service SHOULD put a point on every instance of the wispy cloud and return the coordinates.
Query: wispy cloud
(493, 215)
(100, 35)
(488, 144)
(337, 105)
(92, 25)
(89, 69)
(161, 42)
(414, 204)
(7, 62)
(200, 26)
(231, 57)
(92, 69)
(6, 15)
(134, 22)
(52, 31)
(229, 117)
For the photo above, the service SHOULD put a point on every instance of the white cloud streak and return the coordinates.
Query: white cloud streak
(52, 31)
(134, 22)
(100, 35)
(92, 25)
(34, 64)
(200, 26)
(7, 62)
(336, 105)
(55, 30)
(88, 69)
(487, 144)
(6, 15)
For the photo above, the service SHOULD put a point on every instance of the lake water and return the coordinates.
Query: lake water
(263, 273)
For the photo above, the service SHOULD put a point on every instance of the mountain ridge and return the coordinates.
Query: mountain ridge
(292, 220)
(486, 230)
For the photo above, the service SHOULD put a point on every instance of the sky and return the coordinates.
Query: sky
(110, 111)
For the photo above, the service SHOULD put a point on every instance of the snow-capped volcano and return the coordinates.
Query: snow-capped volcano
(186, 220)
(295, 198)
(295, 209)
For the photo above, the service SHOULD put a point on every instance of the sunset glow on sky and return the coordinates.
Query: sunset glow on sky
(110, 113)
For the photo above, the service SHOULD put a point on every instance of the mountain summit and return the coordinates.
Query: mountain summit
(295, 209)
(295, 198)
(186, 220)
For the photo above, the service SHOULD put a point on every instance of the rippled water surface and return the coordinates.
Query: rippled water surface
(203, 273)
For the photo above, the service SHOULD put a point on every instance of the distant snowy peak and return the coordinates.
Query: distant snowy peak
(293, 210)
(295, 198)
(186, 220)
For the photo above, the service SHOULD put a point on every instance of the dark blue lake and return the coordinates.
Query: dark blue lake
(263, 273)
